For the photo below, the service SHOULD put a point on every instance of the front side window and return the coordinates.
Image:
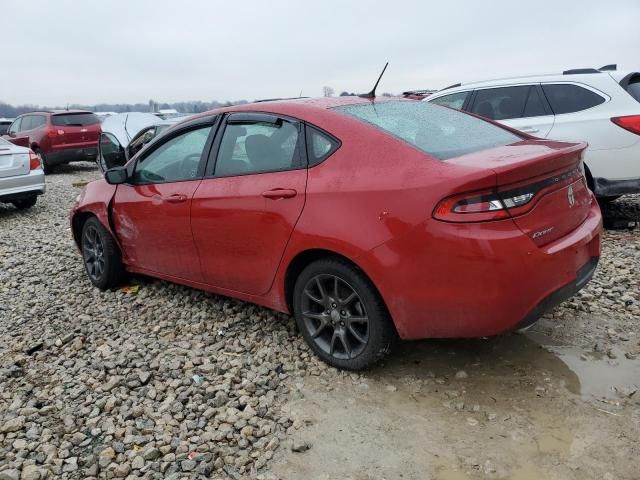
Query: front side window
(440, 132)
(455, 100)
(256, 147)
(176, 160)
(501, 103)
(15, 126)
(568, 98)
(26, 123)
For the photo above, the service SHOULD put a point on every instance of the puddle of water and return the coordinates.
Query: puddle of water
(598, 376)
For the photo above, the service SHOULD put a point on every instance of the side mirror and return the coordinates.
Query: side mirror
(116, 175)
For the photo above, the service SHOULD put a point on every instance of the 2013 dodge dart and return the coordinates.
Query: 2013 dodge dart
(368, 219)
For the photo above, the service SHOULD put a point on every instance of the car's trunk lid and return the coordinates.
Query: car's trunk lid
(541, 183)
(13, 163)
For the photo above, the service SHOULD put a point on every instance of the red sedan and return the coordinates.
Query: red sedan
(366, 219)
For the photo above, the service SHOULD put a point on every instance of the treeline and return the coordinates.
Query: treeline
(11, 111)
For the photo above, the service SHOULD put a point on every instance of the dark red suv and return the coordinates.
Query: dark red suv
(57, 137)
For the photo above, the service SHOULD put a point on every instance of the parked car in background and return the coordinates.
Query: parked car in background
(600, 107)
(365, 218)
(21, 175)
(417, 94)
(124, 134)
(4, 125)
(57, 137)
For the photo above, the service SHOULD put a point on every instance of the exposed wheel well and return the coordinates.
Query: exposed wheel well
(78, 222)
(587, 173)
(307, 257)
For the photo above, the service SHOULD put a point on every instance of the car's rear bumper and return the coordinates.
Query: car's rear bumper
(604, 187)
(473, 280)
(58, 157)
(22, 186)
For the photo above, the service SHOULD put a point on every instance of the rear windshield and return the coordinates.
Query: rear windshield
(634, 87)
(439, 131)
(74, 119)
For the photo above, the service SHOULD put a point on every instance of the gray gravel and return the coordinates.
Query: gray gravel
(166, 383)
(176, 383)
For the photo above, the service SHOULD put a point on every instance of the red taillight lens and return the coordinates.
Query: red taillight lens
(471, 207)
(503, 202)
(630, 122)
(34, 161)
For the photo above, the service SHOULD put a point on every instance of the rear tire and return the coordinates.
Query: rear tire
(25, 203)
(45, 166)
(341, 315)
(101, 255)
(608, 199)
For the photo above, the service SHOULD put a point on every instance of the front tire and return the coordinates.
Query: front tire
(341, 315)
(101, 256)
(25, 203)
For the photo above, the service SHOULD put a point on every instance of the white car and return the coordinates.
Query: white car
(601, 107)
(21, 175)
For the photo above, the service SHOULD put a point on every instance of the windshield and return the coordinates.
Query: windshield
(75, 119)
(439, 131)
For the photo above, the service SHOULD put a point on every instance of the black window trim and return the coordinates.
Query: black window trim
(212, 121)
(606, 98)
(337, 143)
(253, 117)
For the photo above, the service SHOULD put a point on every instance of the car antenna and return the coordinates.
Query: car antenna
(372, 93)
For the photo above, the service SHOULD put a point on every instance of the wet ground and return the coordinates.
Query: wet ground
(561, 401)
(517, 407)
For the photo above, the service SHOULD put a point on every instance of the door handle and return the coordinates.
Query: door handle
(277, 193)
(529, 130)
(176, 198)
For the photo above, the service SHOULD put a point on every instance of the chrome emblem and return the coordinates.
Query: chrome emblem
(570, 197)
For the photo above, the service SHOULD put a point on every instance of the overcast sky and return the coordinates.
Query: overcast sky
(126, 51)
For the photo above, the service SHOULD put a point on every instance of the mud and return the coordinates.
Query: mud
(525, 408)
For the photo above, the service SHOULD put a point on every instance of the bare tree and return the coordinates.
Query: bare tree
(327, 91)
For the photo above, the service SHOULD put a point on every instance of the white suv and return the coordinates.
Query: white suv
(601, 107)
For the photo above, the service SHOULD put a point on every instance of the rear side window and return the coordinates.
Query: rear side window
(74, 119)
(535, 106)
(319, 145)
(567, 98)
(501, 103)
(440, 132)
(455, 100)
(633, 87)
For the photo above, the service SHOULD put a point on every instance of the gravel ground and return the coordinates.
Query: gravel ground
(175, 383)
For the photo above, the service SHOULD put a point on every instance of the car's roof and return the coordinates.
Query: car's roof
(549, 77)
(300, 107)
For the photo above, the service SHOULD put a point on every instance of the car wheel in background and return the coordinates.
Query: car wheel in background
(101, 255)
(43, 161)
(608, 199)
(25, 203)
(341, 315)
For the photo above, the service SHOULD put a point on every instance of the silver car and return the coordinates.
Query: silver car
(21, 175)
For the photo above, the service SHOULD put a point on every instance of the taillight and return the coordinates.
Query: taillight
(34, 161)
(55, 133)
(471, 207)
(630, 122)
(502, 202)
